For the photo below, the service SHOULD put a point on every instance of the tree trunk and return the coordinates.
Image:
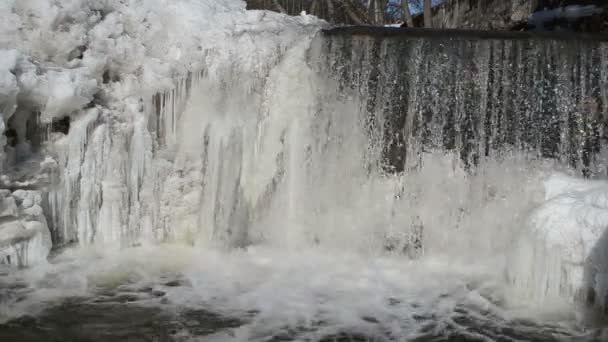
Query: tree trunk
(427, 14)
(377, 11)
(330, 9)
(380, 13)
(350, 10)
(371, 11)
(407, 14)
(278, 6)
(313, 7)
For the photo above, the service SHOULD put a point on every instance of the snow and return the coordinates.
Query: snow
(59, 57)
(141, 46)
(114, 56)
(565, 235)
(67, 92)
(8, 83)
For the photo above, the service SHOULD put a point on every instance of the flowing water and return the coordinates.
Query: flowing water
(350, 188)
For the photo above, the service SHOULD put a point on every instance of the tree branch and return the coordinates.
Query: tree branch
(427, 14)
(407, 14)
(350, 11)
(313, 7)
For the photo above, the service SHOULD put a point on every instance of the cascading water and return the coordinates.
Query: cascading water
(318, 185)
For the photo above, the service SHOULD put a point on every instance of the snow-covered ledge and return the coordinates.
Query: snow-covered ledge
(563, 254)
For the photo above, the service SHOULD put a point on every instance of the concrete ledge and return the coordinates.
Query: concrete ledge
(382, 32)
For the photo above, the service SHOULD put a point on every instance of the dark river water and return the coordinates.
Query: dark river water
(236, 298)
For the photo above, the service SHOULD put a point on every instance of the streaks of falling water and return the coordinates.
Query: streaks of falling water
(478, 97)
(343, 142)
(351, 144)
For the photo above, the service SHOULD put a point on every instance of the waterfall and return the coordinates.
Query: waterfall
(479, 97)
(351, 108)
(414, 146)
(354, 143)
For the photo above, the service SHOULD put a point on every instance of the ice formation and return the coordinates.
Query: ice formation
(122, 73)
(562, 253)
(200, 123)
(24, 236)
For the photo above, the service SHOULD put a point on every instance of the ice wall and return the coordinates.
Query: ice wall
(119, 180)
(98, 86)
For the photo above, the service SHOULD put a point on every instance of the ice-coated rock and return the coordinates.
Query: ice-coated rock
(563, 253)
(24, 243)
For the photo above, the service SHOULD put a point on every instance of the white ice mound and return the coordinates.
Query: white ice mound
(562, 253)
(25, 239)
(8, 82)
(67, 91)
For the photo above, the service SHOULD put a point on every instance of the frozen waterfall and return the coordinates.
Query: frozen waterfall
(247, 130)
(399, 145)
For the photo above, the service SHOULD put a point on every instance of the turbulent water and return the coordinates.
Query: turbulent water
(322, 187)
(263, 294)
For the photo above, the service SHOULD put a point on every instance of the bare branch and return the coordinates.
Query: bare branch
(313, 7)
(407, 14)
(427, 14)
(331, 10)
(348, 7)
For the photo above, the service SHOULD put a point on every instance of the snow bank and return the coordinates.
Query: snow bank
(563, 254)
(119, 48)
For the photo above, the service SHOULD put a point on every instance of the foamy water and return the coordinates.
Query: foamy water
(300, 295)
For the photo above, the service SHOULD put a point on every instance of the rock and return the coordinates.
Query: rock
(519, 12)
